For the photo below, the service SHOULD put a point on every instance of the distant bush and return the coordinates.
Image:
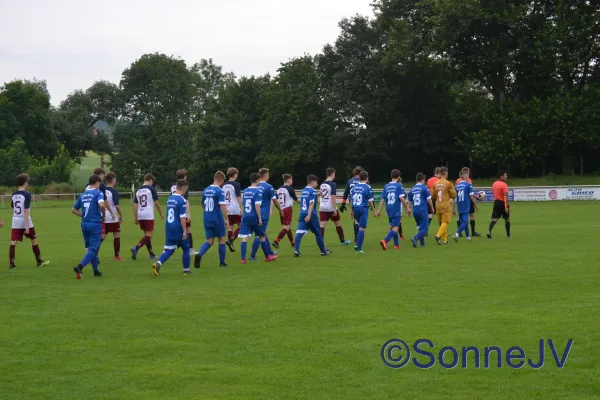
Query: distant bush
(59, 188)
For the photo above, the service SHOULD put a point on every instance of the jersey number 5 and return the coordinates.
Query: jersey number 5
(18, 209)
(248, 206)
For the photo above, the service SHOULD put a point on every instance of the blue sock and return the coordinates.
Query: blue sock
(396, 237)
(87, 258)
(265, 248)
(186, 259)
(421, 235)
(389, 235)
(255, 246)
(467, 232)
(94, 262)
(320, 242)
(204, 248)
(164, 257)
(297, 241)
(269, 246)
(222, 253)
(360, 239)
(244, 249)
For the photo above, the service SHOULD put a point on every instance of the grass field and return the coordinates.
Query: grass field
(81, 176)
(306, 328)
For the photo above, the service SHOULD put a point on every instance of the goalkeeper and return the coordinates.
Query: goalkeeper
(349, 185)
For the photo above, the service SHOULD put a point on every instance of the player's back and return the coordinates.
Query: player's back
(307, 196)
(361, 194)
(88, 204)
(20, 201)
(232, 190)
(464, 190)
(176, 209)
(459, 180)
(250, 197)
(286, 195)
(327, 190)
(418, 196)
(391, 196)
(145, 198)
(267, 194)
(212, 198)
(444, 192)
(111, 200)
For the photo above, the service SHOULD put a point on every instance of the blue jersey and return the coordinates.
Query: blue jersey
(464, 191)
(89, 204)
(176, 209)
(392, 193)
(250, 198)
(268, 195)
(307, 196)
(355, 180)
(360, 195)
(418, 196)
(212, 198)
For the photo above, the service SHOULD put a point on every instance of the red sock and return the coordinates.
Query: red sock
(340, 232)
(281, 235)
(400, 231)
(235, 234)
(323, 232)
(191, 240)
(117, 246)
(291, 237)
(142, 242)
(36, 253)
(149, 245)
(11, 254)
(230, 235)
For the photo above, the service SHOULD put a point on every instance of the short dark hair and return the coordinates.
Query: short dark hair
(312, 178)
(110, 177)
(231, 172)
(501, 174)
(464, 174)
(22, 179)
(466, 169)
(99, 171)
(149, 177)
(443, 170)
(219, 176)
(437, 170)
(94, 179)
(181, 174)
(329, 171)
(395, 173)
(285, 177)
(357, 171)
(364, 175)
(181, 183)
(254, 177)
(420, 177)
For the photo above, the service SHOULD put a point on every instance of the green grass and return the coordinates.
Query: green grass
(307, 328)
(81, 176)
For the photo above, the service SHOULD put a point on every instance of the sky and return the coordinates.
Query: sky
(73, 43)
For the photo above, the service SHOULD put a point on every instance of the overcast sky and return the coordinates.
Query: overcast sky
(72, 43)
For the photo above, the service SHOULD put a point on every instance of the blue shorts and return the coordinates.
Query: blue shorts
(422, 221)
(312, 225)
(248, 230)
(92, 235)
(361, 216)
(464, 217)
(217, 231)
(394, 221)
(172, 244)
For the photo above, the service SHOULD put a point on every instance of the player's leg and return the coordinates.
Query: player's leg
(472, 220)
(286, 225)
(190, 237)
(141, 243)
(222, 246)
(256, 244)
(210, 233)
(438, 235)
(36, 248)
(186, 257)
(16, 235)
(245, 234)
(168, 251)
(506, 217)
(337, 220)
(117, 245)
(391, 233)
(323, 218)
(314, 227)
(362, 226)
(497, 213)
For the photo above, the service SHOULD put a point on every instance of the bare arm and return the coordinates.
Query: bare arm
(406, 205)
(183, 222)
(189, 210)
(135, 213)
(277, 205)
(257, 208)
(157, 205)
(118, 207)
(372, 206)
(76, 212)
(310, 210)
(224, 212)
(27, 212)
(380, 206)
(474, 202)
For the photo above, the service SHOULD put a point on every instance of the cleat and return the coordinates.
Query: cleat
(414, 242)
(98, 259)
(383, 245)
(296, 254)
(437, 240)
(156, 269)
(293, 245)
(272, 257)
(252, 259)
(396, 247)
(119, 258)
(360, 252)
(489, 235)
(327, 252)
(508, 236)
(77, 272)
(197, 261)
(193, 252)
(223, 265)
(427, 234)
(345, 243)
(152, 256)
(244, 262)
(43, 264)
(455, 238)
(468, 238)
(12, 266)
(275, 244)
(446, 242)
(356, 248)
(402, 238)
(98, 273)
(187, 272)
(476, 234)
(134, 251)
(229, 244)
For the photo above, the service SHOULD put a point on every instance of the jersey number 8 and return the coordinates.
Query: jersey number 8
(171, 215)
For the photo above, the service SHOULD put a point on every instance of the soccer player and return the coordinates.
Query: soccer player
(349, 185)
(501, 206)
(113, 224)
(92, 203)
(430, 185)
(233, 199)
(473, 206)
(465, 199)
(308, 219)
(102, 174)
(443, 193)
(176, 229)
(394, 198)
(268, 196)
(145, 200)
(215, 209)
(182, 175)
(420, 197)
(252, 219)
(328, 206)
(362, 199)
(287, 197)
(22, 225)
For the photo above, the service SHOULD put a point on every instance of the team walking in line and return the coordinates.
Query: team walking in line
(230, 213)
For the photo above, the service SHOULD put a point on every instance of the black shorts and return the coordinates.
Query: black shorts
(472, 210)
(499, 211)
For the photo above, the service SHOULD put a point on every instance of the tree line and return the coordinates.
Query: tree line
(490, 84)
